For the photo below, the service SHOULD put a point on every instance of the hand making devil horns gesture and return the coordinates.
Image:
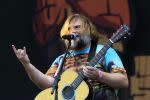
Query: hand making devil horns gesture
(21, 55)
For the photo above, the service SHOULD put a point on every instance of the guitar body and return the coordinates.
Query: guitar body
(67, 77)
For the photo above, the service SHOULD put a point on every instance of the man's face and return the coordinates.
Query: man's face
(83, 40)
(76, 26)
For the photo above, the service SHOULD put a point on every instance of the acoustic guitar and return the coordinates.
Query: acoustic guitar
(72, 85)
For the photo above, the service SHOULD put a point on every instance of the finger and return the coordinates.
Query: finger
(22, 52)
(87, 74)
(85, 70)
(18, 52)
(24, 48)
(90, 68)
(70, 62)
(14, 48)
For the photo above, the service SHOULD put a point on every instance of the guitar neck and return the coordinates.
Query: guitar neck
(78, 80)
(99, 56)
(92, 63)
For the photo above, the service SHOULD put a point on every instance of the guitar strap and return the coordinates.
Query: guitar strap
(92, 49)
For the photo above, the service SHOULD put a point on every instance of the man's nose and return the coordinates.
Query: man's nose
(72, 31)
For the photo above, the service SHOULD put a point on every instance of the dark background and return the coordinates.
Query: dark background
(16, 28)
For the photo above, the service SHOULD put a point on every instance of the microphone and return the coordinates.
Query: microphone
(70, 36)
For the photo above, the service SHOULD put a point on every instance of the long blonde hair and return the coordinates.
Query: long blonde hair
(87, 24)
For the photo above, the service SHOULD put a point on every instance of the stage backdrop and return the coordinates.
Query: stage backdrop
(49, 16)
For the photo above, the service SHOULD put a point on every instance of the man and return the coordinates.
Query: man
(104, 82)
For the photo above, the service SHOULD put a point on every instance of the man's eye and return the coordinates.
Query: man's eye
(68, 28)
(77, 27)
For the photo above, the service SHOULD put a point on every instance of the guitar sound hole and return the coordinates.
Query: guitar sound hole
(68, 92)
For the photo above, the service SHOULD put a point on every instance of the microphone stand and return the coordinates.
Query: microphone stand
(58, 73)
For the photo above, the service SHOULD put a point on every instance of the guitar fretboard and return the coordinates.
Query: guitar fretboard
(96, 59)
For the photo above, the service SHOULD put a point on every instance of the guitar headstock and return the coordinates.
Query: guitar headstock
(121, 32)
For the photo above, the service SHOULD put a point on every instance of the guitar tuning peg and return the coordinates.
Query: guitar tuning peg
(124, 37)
(129, 33)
